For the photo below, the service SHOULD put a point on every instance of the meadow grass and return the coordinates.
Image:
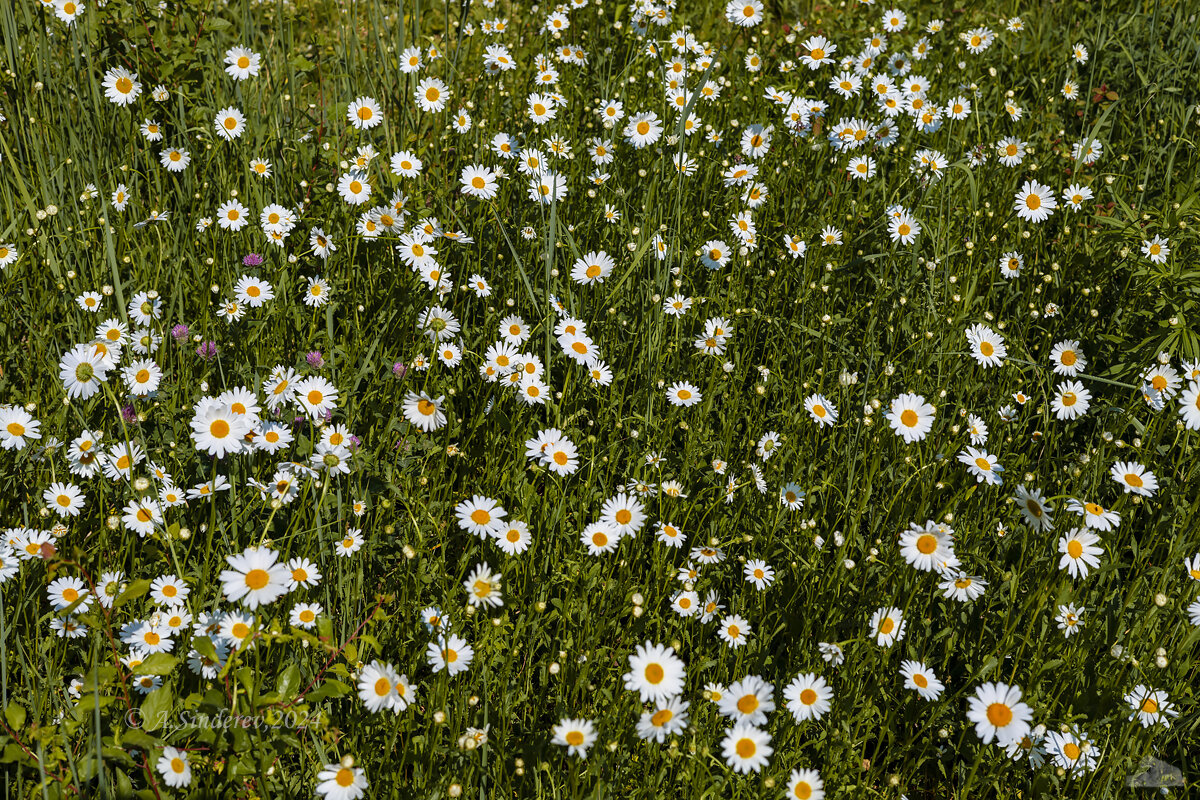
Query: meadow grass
(860, 321)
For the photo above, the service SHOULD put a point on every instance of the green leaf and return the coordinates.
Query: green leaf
(204, 646)
(157, 664)
(156, 708)
(289, 681)
(133, 591)
(330, 688)
(15, 714)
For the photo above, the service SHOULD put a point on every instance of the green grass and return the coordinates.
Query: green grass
(894, 315)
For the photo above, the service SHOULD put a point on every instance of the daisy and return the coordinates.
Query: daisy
(1156, 249)
(928, 547)
(17, 428)
(121, 86)
(449, 653)
(174, 767)
(671, 535)
(987, 346)
(920, 678)
(655, 673)
(66, 591)
(748, 701)
(1069, 619)
(1071, 400)
(668, 718)
(746, 749)
(304, 615)
(624, 514)
(1150, 707)
(1071, 752)
(342, 781)
(142, 516)
(959, 586)
(998, 713)
(432, 94)
(242, 63)
(1080, 552)
(887, 625)
(513, 538)
(683, 394)
(911, 417)
(378, 688)
(817, 50)
(230, 123)
(480, 516)
(1095, 515)
(354, 188)
(1035, 202)
(983, 465)
(363, 113)
(168, 590)
(255, 578)
(479, 181)
(806, 784)
(1134, 478)
(424, 411)
(82, 370)
(600, 539)
(808, 697)
(734, 630)
(577, 735)
(592, 268)
(218, 431)
(1066, 359)
(483, 587)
